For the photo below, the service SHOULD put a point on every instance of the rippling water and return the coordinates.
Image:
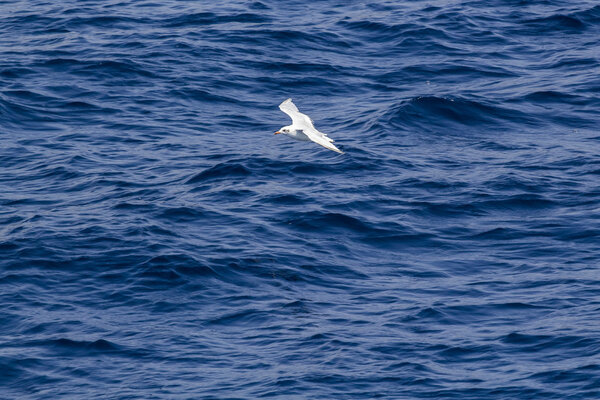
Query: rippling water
(157, 241)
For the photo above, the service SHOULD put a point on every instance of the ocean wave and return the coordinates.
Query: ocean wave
(439, 111)
(209, 18)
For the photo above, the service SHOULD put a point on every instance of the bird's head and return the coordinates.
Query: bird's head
(285, 130)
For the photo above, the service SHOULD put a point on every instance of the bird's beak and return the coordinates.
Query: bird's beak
(276, 133)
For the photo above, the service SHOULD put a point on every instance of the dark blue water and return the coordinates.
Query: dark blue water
(158, 241)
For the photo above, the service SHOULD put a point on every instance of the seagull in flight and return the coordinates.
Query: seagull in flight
(302, 127)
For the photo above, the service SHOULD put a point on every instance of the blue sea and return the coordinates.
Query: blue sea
(157, 241)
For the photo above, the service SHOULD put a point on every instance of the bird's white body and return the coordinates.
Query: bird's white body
(294, 133)
(302, 127)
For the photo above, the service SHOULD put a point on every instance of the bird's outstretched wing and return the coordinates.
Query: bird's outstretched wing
(321, 138)
(298, 119)
(303, 122)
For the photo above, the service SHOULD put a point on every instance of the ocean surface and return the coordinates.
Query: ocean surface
(157, 241)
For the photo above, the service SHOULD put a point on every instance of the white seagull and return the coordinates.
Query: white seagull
(302, 127)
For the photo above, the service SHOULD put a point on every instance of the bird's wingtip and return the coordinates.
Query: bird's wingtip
(288, 100)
